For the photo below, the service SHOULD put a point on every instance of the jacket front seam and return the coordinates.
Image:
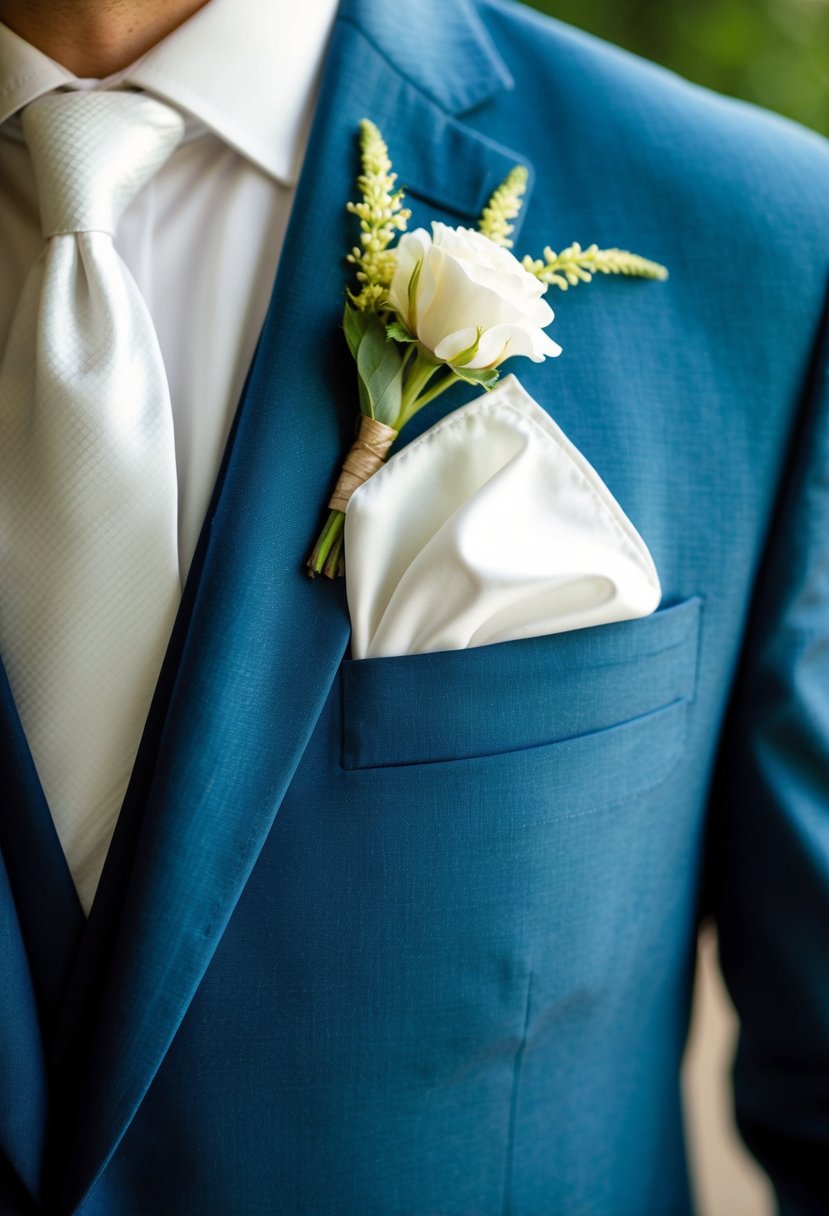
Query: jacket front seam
(516, 1079)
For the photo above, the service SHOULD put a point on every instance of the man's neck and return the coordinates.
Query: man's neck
(94, 38)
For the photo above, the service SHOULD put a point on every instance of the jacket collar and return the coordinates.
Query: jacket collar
(443, 49)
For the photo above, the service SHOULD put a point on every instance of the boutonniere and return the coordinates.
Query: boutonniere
(437, 308)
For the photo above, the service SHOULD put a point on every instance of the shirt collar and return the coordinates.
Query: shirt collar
(245, 69)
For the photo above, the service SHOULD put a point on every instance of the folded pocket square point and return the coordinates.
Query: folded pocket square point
(490, 526)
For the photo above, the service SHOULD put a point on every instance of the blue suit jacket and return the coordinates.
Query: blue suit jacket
(415, 936)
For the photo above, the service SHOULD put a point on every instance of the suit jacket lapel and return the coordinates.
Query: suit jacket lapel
(40, 927)
(264, 642)
(47, 905)
(23, 1086)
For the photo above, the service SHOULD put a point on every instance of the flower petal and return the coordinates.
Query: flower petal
(455, 344)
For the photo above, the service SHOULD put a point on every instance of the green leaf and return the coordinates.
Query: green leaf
(398, 333)
(380, 368)
(355, 324)
(485, 376)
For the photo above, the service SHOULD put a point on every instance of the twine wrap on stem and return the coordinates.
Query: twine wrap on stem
(366, 456)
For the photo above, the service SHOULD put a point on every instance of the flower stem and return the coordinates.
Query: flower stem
(435, 391)
(335, 562)
(327, 553)
(327, 557)
(410, 350)
(422, 370)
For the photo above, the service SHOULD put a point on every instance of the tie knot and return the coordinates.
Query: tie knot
(92, 153)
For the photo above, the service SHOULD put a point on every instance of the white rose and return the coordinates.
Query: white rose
(466, 286)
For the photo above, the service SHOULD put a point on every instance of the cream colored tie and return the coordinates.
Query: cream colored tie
(89, 580)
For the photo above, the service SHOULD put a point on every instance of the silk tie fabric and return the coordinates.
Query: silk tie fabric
(491, 526)
(89, 580)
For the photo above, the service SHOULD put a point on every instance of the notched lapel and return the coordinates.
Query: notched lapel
(264, 642)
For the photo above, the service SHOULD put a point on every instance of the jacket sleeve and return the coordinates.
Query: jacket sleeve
(769, 834)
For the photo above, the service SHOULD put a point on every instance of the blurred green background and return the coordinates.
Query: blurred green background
(773, 52)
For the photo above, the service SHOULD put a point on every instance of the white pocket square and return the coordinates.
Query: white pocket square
(490, 526)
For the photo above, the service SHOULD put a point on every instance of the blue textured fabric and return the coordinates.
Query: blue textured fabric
(415, 936)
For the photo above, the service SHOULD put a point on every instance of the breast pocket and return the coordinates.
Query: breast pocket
(605, 707)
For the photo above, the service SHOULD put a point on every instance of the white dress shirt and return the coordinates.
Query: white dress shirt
(203, 238)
